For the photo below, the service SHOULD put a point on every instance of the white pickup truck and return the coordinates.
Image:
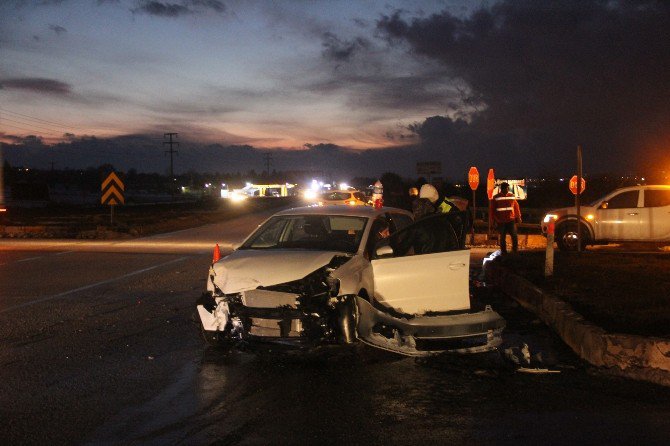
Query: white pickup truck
(629, 214)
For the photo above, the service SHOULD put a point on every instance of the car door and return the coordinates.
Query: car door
(427, 272)
(657, 207)
(618, 217)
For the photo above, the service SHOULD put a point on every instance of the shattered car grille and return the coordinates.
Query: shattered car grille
(290, 328)
(269, 299)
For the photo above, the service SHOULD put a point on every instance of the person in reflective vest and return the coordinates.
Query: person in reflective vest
(504, 212)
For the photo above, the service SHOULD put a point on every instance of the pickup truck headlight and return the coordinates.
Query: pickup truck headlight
(550, 217)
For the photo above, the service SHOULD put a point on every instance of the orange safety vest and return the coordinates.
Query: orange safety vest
(504, 208)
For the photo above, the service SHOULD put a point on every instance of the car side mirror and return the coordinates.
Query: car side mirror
(603, 205)
(384, 251)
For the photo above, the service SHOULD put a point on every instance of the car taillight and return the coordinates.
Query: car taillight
(352, 202)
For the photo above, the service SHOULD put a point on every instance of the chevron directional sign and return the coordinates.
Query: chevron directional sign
(112, 190)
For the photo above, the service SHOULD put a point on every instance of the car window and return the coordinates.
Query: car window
(270, 233)
(656, 198)
(401, 221)
(359, 196)
(437, 233)
(623, 200)
(379, 230)
(314, 232)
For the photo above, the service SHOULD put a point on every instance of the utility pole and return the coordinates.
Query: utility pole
(268, 159)
(171, 152)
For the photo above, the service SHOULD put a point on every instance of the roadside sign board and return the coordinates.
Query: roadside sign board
(473, 178)
(490, 184)
(112, 190)
(429, 168)
(573, 185)
(517, 187)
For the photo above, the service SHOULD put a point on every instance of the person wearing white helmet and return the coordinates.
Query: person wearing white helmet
(441, 204)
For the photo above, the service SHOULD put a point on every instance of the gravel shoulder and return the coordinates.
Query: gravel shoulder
(622, 292)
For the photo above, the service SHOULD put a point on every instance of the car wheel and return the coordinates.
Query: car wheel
(566, 236)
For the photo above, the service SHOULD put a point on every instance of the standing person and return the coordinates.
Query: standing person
(504, 212)
(442, 205)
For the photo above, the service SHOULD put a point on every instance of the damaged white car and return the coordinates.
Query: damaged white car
(343, 274)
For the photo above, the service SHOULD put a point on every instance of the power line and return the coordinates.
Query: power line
(171, 152)
(29, 124)
(41, 120)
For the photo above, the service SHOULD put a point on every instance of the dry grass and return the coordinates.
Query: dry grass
(621, 292)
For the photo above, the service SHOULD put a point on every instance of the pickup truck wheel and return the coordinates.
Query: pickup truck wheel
(566, 236)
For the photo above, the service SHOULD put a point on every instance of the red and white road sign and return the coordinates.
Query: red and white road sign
(573, 185)
(473, 178)
(490, 184)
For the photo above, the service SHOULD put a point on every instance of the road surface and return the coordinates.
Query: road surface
(98, 346)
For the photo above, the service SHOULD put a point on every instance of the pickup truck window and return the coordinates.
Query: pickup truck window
(654, 198)
(623, 200)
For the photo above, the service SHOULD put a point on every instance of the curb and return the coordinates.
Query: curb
(637, 357)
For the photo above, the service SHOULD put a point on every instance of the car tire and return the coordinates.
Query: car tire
(566, 236)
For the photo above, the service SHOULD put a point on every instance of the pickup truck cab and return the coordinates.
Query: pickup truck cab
(629, 214)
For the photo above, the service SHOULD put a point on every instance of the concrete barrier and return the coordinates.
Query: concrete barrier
(636, 357)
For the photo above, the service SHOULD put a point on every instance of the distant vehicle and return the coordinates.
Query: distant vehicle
(629, 214)
(343, 274)
(347, 197)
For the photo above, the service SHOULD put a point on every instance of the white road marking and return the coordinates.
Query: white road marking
(93, 285)
(28, 259)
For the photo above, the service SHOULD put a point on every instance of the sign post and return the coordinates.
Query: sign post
(429, 168)
(112, 189)
(578, 203)
(473, 181)
(549, 253)
(490, 185)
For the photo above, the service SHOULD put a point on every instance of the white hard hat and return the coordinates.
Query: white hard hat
(428, 191)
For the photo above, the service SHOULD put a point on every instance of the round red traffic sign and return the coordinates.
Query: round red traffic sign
(490, 184)
(473, 178)
(573, 185)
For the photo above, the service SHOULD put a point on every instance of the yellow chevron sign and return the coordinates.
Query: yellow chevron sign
(112, 190)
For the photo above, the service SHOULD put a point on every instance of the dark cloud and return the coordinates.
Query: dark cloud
(39, 85)
(57, 29)
(145, 153)
(546, 76)
(341, 50)
(162, 9)
(177, 9)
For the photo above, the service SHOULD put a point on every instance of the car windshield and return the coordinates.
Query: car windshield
(314, 232)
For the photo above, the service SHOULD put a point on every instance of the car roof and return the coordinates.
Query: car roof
(354, 211)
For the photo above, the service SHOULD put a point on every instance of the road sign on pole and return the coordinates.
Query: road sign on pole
(112, 189)
(490, 185)
(573, 185)
(473, 178)
(473, 181)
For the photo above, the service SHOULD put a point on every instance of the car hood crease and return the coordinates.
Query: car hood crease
(249, 269)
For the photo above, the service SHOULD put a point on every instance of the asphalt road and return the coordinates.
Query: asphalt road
(98, 346)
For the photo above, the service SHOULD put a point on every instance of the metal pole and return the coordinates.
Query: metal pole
(577, 198)
(549, 253)
(474, 217)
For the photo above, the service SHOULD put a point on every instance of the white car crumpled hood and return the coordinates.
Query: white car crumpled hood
(247, 269)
